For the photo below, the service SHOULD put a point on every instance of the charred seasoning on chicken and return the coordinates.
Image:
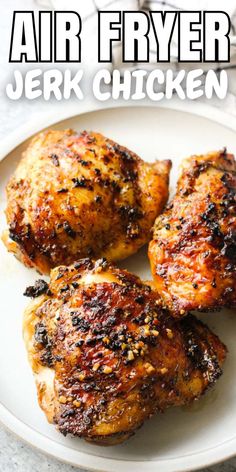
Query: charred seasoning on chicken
(193, 251)
(76, 195)
(117, 355)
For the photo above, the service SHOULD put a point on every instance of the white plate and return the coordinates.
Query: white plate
(183, 438)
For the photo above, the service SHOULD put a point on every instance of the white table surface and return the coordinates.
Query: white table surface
(16, 456)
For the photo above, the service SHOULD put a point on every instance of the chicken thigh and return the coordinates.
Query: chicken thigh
(193, 251)
(75, 195)
(105, 354)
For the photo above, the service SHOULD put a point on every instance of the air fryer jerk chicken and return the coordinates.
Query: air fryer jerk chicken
(75, 195)
(193, 251)
(106, 356)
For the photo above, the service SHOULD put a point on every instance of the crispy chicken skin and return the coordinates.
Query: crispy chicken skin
(106, 356)
(75, 195)
(193, 251)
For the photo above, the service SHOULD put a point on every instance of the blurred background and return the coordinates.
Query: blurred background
(15, 113)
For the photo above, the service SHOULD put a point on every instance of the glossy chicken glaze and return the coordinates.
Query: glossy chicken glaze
(75, 195)
(193, 251)
(106, 356)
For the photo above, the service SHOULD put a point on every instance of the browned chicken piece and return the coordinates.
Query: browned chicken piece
(105, 354)
(75, 195)
(193, 251)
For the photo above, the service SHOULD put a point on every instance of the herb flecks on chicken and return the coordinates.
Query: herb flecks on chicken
(193, 251)
(106, 356)
(76, 195)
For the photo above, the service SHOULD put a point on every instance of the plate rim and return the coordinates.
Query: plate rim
(70, 110)
(36, 439)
